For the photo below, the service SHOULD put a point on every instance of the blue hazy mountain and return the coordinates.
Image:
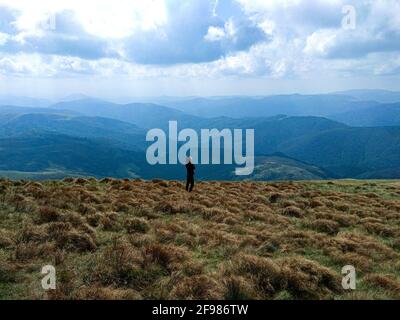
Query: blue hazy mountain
(121, 133)
(36, 143)
(376, 116)
(291, 105)
(24, 101)
(145, 115)
(47, 152)
(44, 155)
(350, 152)
(383, 96)
(59, 138)
(340, 107)
(365, 108)
(17, 110)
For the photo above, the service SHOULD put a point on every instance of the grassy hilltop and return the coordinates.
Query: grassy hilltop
(121, 239)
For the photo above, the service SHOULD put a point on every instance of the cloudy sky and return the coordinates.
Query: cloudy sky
(197, 47)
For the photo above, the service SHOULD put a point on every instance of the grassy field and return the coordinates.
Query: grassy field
(120, 239)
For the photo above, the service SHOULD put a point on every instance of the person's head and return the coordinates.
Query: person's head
(189, 160)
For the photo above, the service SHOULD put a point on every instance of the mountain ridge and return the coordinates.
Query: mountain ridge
(336, 149)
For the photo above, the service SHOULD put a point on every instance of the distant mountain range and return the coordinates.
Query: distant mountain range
(352, 134)
(291, 105)
(146, 115)
(374, 116)
(23, 101)
(382, 96)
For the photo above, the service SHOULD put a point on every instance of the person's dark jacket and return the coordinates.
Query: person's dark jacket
(190, 169)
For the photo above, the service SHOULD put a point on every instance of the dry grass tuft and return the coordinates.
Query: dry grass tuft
(238, 288)
(293, 211)
(264, 274)
(168, 256)
(323, 225)
(309, 280)
(107, 293)
(199, 287)
(8, 272)
(48, 214)
(74, 240)
(6, 238)
(385, 282)
(136, 225)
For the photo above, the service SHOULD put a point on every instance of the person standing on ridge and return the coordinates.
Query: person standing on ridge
(190, 174)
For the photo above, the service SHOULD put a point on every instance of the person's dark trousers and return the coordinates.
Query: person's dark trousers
(189, 183)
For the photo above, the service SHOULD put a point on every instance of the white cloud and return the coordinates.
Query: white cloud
(320, 42)
(102, 18)
(3, 38)
(199, 39)
(215, 34)
(229, 31)
(25, 64)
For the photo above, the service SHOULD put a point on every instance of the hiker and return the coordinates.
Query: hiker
(190, 174)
